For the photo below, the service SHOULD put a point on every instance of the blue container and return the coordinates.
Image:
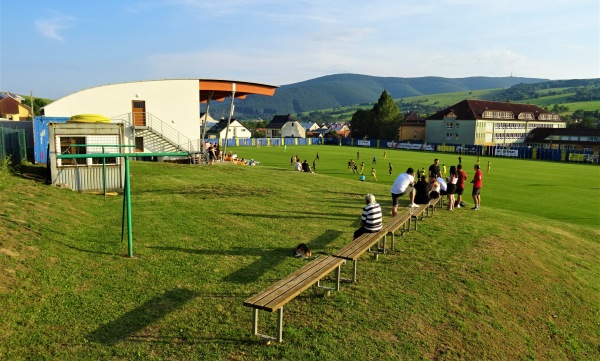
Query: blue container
(40, 136)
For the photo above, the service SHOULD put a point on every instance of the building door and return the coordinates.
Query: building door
(138, 109)
(139, 144)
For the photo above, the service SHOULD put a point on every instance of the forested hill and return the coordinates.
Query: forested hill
(350, 89)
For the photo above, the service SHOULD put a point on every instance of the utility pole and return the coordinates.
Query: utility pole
(31, 99)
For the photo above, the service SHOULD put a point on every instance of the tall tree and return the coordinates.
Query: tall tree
(387, 117)
(382, 121)
(361, 124)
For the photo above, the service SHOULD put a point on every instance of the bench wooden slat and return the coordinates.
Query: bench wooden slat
(284, 282)
(289, 287)
(298, 284)
(420, 209)
(396, 222)
(357, 247)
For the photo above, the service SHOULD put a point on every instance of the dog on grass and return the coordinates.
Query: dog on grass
(303, 251)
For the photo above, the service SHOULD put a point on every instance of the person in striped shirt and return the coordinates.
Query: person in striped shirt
(371, 219)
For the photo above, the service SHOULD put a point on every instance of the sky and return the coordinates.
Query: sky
(51, 48)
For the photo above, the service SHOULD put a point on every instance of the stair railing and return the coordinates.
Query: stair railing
(161, 129)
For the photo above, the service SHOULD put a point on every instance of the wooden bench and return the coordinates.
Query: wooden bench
(353, 250)
(416, 213)
(394, 224)
(277, 295)
(432, 203)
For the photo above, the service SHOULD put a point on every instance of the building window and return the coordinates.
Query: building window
(448, 125)
(525, 116)
(68, 146)
(91, 144)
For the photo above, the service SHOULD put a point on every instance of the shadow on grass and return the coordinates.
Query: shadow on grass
(192, 340)
(267, 258)
(297, 215)
(33, 172)
(138, 319)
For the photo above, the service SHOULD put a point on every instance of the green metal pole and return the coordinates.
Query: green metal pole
(123, 216)
(104, 173)
(128, 205)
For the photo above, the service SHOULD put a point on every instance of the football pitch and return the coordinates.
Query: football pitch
(562, 191)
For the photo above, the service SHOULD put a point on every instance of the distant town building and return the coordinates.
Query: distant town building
(412, 128)
(236, 130)
(481, 122)
(587, 140)
(340, 128)
(310, 126)
(12, 108)
(284, 126)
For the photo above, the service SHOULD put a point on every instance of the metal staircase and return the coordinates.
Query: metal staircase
(158, 134)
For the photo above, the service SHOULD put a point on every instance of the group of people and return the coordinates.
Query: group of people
(355, 168)
(303, 166)
(422, 190)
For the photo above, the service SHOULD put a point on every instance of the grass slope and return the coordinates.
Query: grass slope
(504, 283)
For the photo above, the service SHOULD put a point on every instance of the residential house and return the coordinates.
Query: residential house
(236, 130)
(12, 108)
(284, 126)
(341, 129)
(481, 122)
(310, 126)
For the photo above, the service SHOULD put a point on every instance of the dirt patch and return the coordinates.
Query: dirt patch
(9, 253)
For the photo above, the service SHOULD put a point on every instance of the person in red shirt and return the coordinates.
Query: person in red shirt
(460, 185)
(477, 181)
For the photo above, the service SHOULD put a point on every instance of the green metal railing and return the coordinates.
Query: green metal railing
(127, 186)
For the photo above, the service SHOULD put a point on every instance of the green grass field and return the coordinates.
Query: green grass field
(517, 280)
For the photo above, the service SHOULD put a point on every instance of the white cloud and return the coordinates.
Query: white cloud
(52, 26)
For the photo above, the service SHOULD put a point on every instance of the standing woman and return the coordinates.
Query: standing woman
(452, 180)
(211, 154)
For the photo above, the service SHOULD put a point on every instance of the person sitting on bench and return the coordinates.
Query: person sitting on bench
(422, 188)
(371, 219)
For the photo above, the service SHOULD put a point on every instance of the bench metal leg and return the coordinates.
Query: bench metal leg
(338, 277)
(280, 326)
(353, 279)
(381, 247)
(337, 286)
(255, 321)
(393, 239)
(279, 337)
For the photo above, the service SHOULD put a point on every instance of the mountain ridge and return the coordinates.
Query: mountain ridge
(338, 90)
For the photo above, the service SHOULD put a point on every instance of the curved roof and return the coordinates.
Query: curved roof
(218, 88)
